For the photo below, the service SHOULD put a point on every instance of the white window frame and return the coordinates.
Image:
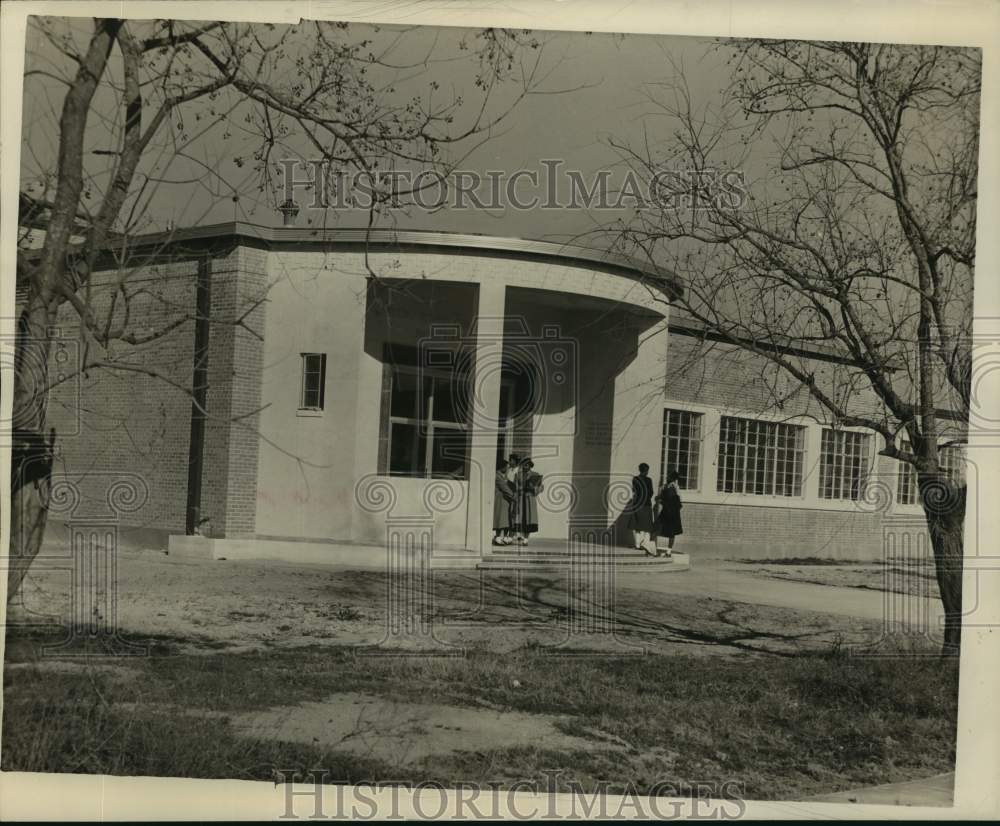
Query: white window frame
(694, 446)
(859, 443)
(312, 408)
(427, 426)
(798, 456)
(906, 477)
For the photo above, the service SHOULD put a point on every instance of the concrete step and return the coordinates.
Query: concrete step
(518, 551)
(557, 562)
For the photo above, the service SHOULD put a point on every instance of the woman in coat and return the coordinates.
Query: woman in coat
(668, 521)
(529, 488)
(503, 506)
(513, 476)
(640, 509)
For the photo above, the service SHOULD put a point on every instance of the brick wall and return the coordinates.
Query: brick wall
(115, 422)
(747, 532)
(716, 377)
(229, 481)
(725, 376)
(124, 423)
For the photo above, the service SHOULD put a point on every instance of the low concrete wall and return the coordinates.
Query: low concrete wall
(129, 536)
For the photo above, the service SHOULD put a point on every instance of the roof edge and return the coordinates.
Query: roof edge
(413, 238)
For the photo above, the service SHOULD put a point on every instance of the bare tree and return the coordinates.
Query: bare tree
(827, 200)
(133, 93)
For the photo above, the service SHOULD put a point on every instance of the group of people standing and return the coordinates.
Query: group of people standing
(515, 506)
(515, 502)
(651, 517)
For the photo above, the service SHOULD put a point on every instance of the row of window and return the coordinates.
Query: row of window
(755, 457)
(428, 437)
(767, 458)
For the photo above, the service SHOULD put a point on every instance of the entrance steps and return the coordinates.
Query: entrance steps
(558, 557)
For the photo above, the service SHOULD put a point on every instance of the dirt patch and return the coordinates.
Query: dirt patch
(403, 732)
(205, 606)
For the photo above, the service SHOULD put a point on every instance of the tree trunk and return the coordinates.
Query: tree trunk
(31, 472)
(31, 460)
(31, 454)
(944, 509)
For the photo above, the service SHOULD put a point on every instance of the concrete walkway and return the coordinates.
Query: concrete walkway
(938, 790)
(725, 580)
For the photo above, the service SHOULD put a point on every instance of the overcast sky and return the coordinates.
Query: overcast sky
(607, 74)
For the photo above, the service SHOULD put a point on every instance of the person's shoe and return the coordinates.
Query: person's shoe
(506, 541)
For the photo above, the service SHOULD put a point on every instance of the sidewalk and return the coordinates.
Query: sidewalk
(721, 579)
(938, 790)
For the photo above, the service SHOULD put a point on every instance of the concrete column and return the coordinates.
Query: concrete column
(708, 468)
(485, 403)
(638, 403)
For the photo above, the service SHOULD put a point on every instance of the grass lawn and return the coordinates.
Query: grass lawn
(778, 726)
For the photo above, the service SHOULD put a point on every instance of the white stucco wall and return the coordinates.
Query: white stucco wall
(310, 464)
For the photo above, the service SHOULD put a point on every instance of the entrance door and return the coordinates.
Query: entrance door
(517, 408)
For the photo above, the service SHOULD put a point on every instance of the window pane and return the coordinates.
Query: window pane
(405, 394)
(843, 464)
(447, 400)
(681, 447)
(907, 487)
(313, 376)
(407, 450)
(450, 452)
(758, 457)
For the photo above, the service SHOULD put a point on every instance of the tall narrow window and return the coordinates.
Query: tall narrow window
(313, 381)
(906, 489)
(758, 457)
(843, 464)
(681, 447)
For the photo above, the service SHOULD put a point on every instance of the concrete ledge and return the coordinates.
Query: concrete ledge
(129, 536)
(190, 547)
(311, 553)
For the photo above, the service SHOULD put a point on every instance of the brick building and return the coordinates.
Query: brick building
(290, 392)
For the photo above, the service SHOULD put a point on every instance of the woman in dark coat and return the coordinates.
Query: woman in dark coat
(640, 509)
(503, 506)
(530, 485)
(668, 521)
(513, 476)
